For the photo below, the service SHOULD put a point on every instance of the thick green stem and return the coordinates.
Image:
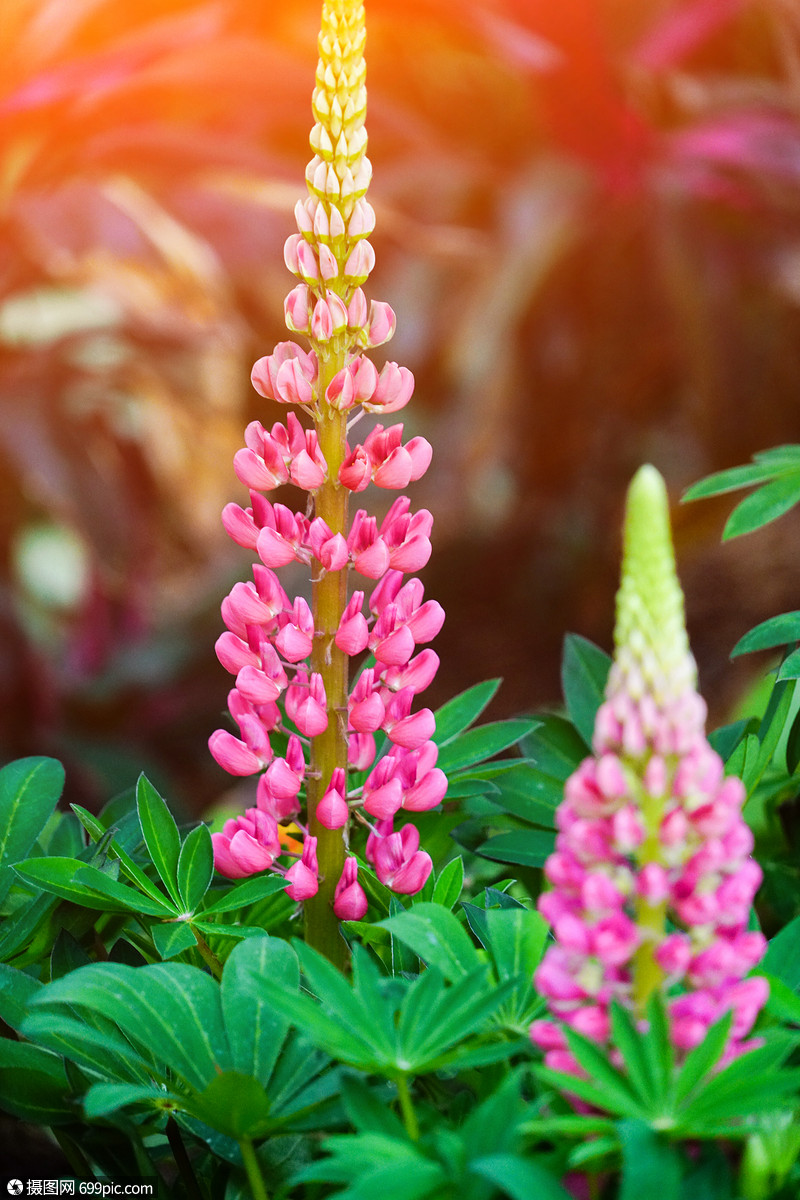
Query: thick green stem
(407, 1108)
(329, 749)
(207, 954)
(253, 1170)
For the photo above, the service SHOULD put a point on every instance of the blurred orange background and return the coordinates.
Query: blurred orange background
(589, 226)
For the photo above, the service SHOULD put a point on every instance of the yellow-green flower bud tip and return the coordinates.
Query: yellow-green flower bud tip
(652, 653)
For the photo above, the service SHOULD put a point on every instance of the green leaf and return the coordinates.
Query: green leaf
(726, 739)
(462, 711)
(97, 831)
(195, 867)
(368, 1111)
(630, 1043)
(730, 480)
(529, 794)
(764, 505)
(515, 939)
(777, 631)
(103, 1099)
(782, 957)
(235, 1104)
(33, 1084)
(484, 742)
(783, 1002)
(256, 1031)
(650, 1165)
(449, 882)
(584, 674)
(98, 881)
(769, 734)
(779, 457)
(790, 667)
(528, 847)
(16, 992)
(703, 1058)
(172, 938)
(793, 746)
(73, 880)
(519, 1178)
(29, 792)
(620, 1096)
(248, 892)
(437, 937)
(555, 746)
(161, 835)
(169, 1012)
(67, 955)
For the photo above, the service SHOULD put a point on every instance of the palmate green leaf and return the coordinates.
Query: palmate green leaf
(463, 710)
(128, 867)
(90, 1042)
(376, 1165)
(486, 741)
(764, 505)
(457, 1012)
(782, 630)
(241, 895)
(338, 1024)
(161, 835)
(703, 1058)
(169, 1012)
(84, 884)
(651, 1166)
(256, 1031)
(584, 674)
(517, 1177)
(195, 867)
(527, 847)
(648, 1086)
(29, 791)
(437, 936)
(98, 881)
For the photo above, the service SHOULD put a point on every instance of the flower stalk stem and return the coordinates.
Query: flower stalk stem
(407, 1108)
(329, 749)
(254, 1177)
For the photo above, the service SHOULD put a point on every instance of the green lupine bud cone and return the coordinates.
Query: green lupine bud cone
(651, 645)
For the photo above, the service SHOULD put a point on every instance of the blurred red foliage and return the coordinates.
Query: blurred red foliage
(588, 223)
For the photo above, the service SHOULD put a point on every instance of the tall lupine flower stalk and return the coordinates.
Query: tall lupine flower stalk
(652, 879)
(292, 661)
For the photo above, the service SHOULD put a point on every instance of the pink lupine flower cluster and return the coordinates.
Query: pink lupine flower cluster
(283, 651)
(652, 879)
